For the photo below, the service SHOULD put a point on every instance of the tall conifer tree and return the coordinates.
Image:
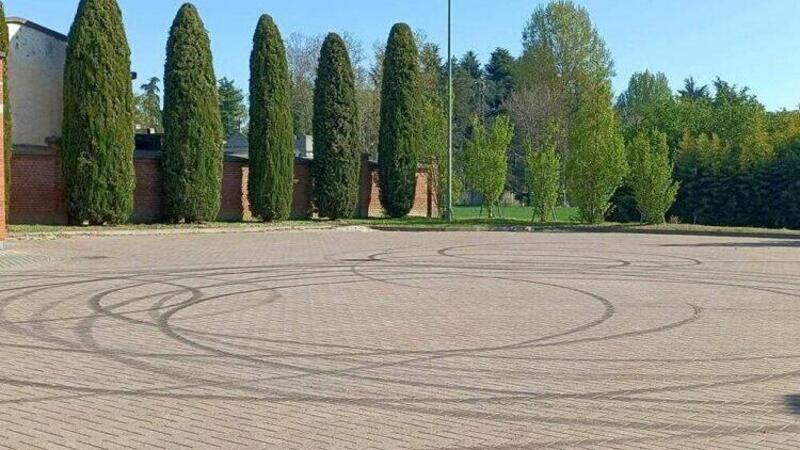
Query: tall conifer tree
(7, 105)
(98, 116)
(400, 125)
(271, 142)
(191, 163)
(336, 158)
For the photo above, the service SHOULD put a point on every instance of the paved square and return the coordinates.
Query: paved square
(372, 340)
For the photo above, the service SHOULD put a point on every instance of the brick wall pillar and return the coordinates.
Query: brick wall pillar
(2, 158)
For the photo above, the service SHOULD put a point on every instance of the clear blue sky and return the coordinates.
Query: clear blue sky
(748, 42)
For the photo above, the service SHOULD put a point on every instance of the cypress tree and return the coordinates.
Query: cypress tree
(191, 163)
(98, 116)
(336, 158)
(400, 126)
(271, 177)
(7, 107)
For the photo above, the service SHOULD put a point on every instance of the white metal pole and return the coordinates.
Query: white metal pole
(450, 113)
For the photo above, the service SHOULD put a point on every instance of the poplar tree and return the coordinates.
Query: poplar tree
(98, 116)
(596, 162)
(271, 174)
(399, 136)
(336, 158)
(192, 158)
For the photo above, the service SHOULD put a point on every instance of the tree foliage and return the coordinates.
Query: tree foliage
(647, 104)
(232, 109)
(433, 154)
(148, 106)
(400, 127)
(271, 176)
(500, 79)
(98, 116)
(486, 159)
(562, 47)
(336, 158)
(596, 163)
(191, 162)
(651, 176)
(564, 62)
(543, 168)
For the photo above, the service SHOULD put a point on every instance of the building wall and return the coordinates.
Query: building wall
(38, 197)
(35, 79)
(370, 196)
(37, 193)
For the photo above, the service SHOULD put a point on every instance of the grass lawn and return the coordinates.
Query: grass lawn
(467, 219)
(515, 213)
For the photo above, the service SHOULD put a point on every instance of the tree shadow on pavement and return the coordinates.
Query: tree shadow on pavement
(758, 244)
(793, 403)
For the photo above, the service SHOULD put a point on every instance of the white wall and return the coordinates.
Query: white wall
(35, 83)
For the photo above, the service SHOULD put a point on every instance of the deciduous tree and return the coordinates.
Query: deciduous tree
(651, 175)
(596, 163)
(486, 159)
(543, 170)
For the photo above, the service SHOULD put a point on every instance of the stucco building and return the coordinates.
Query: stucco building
(35, 81)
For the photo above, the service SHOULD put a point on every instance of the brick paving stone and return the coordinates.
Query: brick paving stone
(372, 340)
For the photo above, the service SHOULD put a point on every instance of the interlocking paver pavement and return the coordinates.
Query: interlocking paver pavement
(347, 340)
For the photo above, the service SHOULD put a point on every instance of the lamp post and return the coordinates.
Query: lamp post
(449, 214)
(2, 154)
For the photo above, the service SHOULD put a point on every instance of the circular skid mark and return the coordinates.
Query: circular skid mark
(172, 317)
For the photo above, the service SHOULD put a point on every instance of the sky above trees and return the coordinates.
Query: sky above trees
(745, 42)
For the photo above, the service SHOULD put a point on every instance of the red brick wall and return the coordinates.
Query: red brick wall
(235, 205)
(37, 187)
(370, 196)
(303, 190)
(37, 191)
(2, 165)
(147, 197)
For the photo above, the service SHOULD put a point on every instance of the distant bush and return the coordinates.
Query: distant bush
(716, 190)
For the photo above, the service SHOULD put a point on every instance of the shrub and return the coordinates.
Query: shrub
(336, 159)
(98, 116)
(486, 159)
(191, 163)
(399, 136)
(271, 177)
(543, 171)
(651, 176)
